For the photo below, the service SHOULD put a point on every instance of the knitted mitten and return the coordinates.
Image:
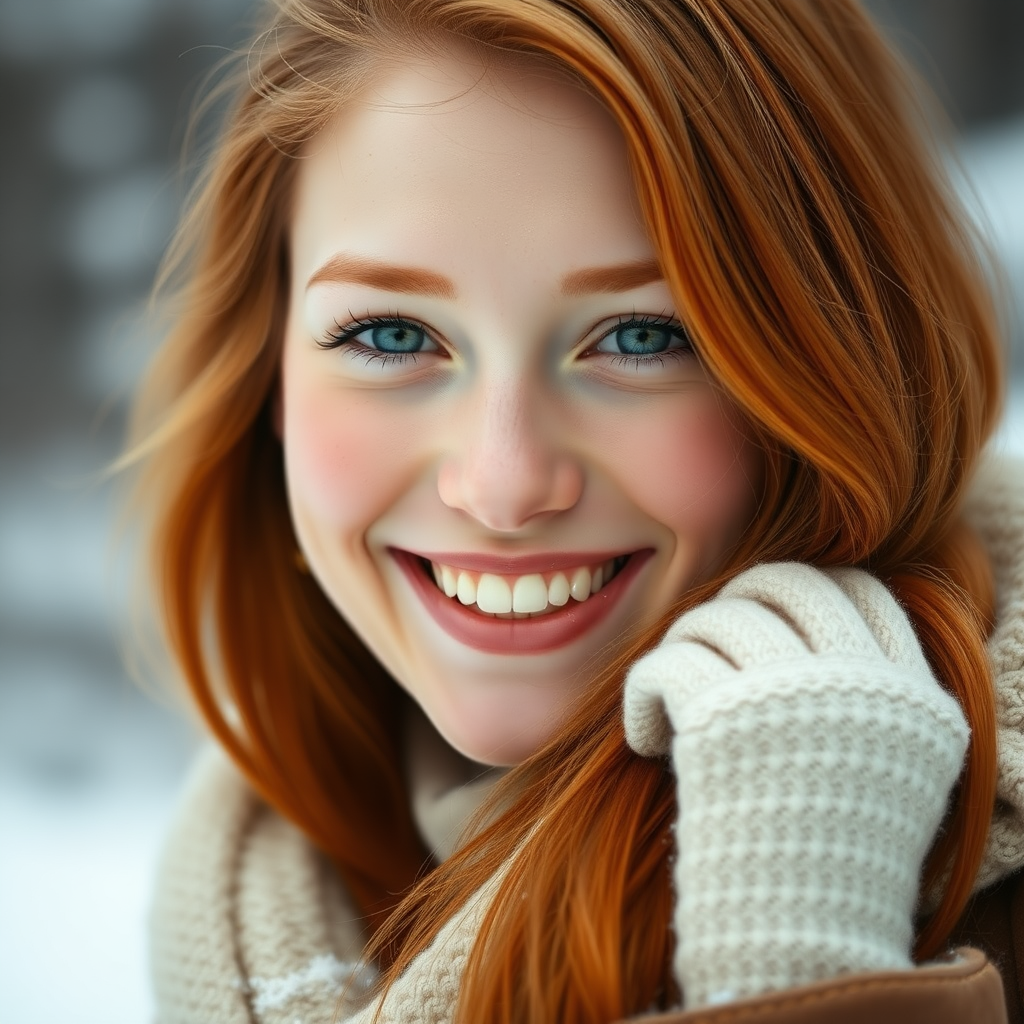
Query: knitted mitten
(814, 754)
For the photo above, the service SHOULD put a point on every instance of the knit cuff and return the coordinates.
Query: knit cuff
(808, 797)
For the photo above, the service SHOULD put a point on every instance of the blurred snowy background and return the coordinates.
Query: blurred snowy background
(94, 96)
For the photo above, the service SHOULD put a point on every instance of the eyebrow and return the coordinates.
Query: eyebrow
(620, 277)
(388, 277)
(342, 267)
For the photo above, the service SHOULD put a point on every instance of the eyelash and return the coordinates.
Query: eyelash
(624, 359)
(341, 336)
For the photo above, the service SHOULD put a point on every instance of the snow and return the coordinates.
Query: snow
(993, 161)
(324, 971)
(75, 877)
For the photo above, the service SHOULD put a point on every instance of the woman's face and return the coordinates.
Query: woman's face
(502, 454)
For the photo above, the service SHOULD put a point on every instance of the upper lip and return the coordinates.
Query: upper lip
(518, 565)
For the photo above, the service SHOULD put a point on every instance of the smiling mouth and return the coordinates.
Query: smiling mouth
(514, 614)
(528, 596)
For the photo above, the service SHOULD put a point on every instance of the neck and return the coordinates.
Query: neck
(445, 788)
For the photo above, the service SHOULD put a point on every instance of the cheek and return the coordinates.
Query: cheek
(342, 460)
(692, 470)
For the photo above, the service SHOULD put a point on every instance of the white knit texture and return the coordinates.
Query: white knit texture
(427, 992)
(814, 754)
(995, 509)
(249, 920)
(251, 925)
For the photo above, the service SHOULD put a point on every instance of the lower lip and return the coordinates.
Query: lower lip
(518, 636)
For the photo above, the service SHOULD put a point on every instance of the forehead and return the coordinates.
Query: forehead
(451, 144)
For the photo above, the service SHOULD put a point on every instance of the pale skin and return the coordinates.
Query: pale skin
(481, 358)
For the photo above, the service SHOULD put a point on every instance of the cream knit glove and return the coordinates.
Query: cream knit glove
(814, 754)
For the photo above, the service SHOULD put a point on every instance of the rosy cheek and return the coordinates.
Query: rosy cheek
(691, 469)
(713, 469)
(343, 456)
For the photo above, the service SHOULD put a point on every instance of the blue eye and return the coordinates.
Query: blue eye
(397, 337)
(639, 337)
(644, 340)
(388, 339)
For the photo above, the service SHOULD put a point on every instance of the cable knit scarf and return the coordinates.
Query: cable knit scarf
(995, 508)
(250, 923)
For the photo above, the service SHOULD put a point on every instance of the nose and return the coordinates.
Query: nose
(510, 466)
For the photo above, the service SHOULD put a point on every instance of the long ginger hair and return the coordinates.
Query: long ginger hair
(838, 300)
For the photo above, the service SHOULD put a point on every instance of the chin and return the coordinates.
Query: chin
(498, 739)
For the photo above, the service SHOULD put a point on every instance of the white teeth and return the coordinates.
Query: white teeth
(466, 589)
(530, 594)
(526, 596)
(449, 581)
(580, 585)
(558, 590)
(493, 594)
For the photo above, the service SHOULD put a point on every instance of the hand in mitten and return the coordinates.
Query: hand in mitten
(814, 753)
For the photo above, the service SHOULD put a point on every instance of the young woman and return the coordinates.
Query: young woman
(558, 476)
